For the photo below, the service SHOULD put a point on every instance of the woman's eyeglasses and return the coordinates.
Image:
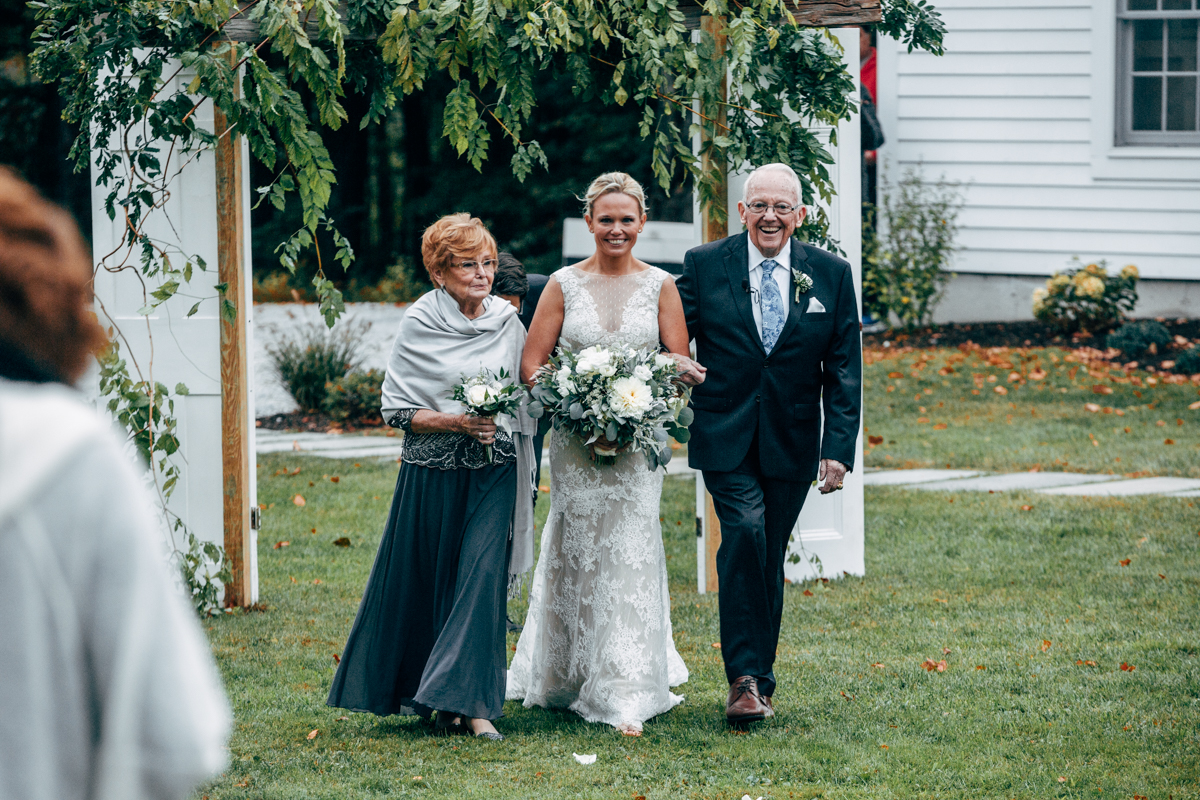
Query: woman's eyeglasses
(466, 267)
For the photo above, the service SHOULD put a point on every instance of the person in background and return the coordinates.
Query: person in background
(429, 634)
(871, 142)
(108, 690)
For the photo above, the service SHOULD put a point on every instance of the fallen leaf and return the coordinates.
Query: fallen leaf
(1062, 779)
(974, 391)
(946, 651)
(278, 545)
(980, 666)
(343, 541)
(590, 758)
(292, 579)
(1168, 441)
(337, 660)
(895, 374)
(1027, 508)
(941, 666)
(922, 420)
(716, 645)
(1124, 562)
(877, 665)
(1013, 377)
(1127, 667)
(418, 777)
(1194, 406)
(1037, 374)
(343, 719)
(808, 593)
(299, 500)
(334, 479)
(312, 734)
(848, 697)
(1162, 423)
(1082, 663)
(1000, 390)
(1092, 407)
(874, 440)
(941, 426)
(296, 471)
(545, 489)
(1164, 577)
(317, 581)
(883, 747)
(1100, 388)
(1045, 645)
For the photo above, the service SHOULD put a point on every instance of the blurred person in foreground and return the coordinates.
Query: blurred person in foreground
(107, 687)
(429, 634)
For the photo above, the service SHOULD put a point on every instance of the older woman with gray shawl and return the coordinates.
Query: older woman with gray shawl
(429, 635)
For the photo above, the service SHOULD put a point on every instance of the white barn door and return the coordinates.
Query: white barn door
(830, 526)
(171, 348)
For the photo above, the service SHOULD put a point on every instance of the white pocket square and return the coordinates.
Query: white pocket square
(815, 307)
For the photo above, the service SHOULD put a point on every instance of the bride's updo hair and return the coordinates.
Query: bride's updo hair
(609, 183)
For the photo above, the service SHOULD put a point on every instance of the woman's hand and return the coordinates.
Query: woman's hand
(481, 429)
(691, 372)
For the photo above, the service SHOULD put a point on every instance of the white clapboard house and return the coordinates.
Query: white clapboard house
(1074, 127)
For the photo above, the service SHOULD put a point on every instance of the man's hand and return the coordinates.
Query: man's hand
(832, 473)
(690, 372)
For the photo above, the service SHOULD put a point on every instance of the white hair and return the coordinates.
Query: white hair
(613, 183)
(777, 167)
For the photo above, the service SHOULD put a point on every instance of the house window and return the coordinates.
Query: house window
(1158, 77)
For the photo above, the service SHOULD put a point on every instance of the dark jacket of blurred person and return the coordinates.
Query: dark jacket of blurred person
(107, 687)
(523, 290)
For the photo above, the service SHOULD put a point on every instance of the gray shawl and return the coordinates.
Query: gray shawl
(435, 348)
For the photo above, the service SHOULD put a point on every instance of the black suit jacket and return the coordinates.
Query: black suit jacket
(529, 305)
(815, 366)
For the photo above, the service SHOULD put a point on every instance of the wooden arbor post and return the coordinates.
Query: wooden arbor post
(235, 374)
(714, 223)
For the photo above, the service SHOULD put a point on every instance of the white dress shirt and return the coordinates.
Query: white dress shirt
(782, 276)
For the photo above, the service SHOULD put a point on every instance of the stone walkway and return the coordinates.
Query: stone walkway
(1070, 483)
(357, 445)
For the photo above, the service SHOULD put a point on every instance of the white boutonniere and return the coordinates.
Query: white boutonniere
(802, 281)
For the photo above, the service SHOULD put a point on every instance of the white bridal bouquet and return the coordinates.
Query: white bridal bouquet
(489, 394)
(614, 398)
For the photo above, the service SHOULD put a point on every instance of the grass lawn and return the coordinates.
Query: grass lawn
(1009, 410)
(1032, 611)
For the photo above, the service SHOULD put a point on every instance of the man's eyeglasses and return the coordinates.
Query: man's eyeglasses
(781, 209)
(489, 265)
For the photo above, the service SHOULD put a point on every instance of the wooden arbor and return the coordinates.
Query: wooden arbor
(236, 455)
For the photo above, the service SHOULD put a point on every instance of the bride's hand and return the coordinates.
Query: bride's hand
(691, 372)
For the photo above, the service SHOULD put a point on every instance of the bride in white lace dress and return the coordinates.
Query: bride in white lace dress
(597, 637)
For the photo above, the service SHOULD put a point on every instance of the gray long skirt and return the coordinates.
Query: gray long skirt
(429, 634)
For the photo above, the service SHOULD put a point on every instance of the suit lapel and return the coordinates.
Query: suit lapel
(737, 269)
(796, 310)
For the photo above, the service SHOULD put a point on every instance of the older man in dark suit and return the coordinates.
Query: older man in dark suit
(776, 323)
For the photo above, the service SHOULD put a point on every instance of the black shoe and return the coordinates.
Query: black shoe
(511, 626)
(448, 724)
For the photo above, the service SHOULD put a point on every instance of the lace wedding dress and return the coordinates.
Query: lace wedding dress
(597, 637)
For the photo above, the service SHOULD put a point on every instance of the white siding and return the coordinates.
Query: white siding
(1018, 112)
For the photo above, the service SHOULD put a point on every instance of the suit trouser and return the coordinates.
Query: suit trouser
(757, 516)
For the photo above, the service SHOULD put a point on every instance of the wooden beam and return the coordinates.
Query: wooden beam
(809, 13)
(715, 226)
(235, 375)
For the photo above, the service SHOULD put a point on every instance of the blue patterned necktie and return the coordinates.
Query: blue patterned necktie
(772, 307)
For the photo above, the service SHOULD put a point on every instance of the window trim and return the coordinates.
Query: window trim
(1125, 136)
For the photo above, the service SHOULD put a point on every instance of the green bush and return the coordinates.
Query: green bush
(1188, 362)
(401, 284)
(355, 398)
(1087, 298)
(1135, 339)
(315, 357)
(905, 265)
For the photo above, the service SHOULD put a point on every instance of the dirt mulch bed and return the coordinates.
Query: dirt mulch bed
(313, 423)
(1008, 334)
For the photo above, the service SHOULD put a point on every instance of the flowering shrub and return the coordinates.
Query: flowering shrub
(613, 399)
(1087, 298)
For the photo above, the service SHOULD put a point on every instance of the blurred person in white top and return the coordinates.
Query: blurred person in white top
(108, 690)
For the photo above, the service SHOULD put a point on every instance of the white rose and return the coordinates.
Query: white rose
(642, 372)
(661, 360)
(606, 369)
(630, 397)
(477, 395)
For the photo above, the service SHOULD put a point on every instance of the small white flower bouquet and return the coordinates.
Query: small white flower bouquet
(489, 394)
(614, 399)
